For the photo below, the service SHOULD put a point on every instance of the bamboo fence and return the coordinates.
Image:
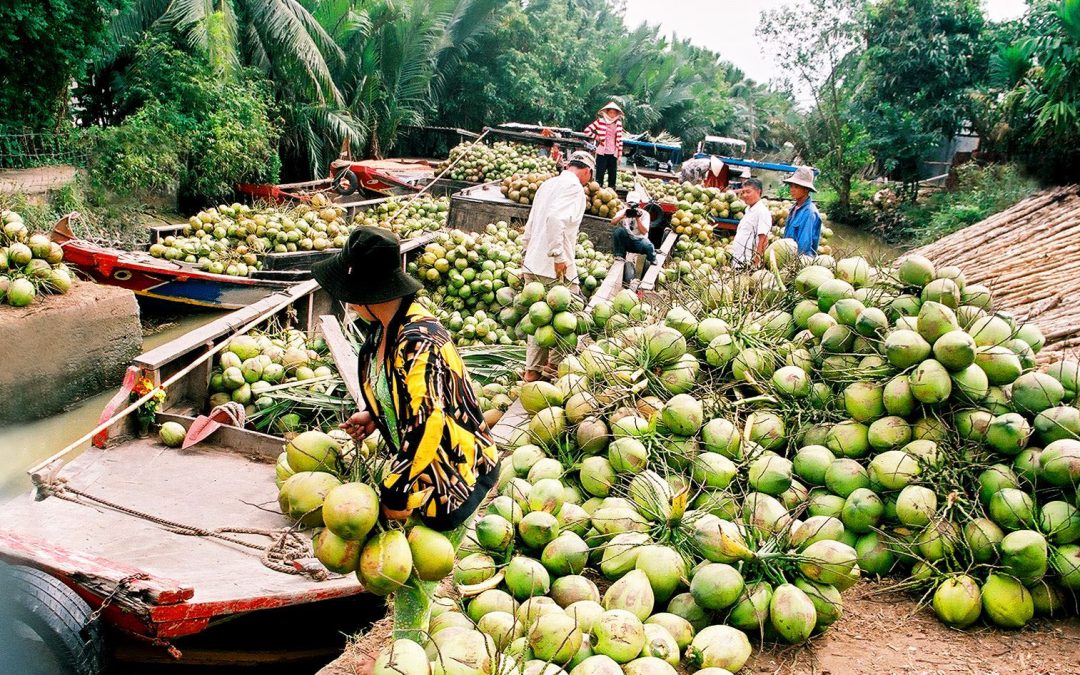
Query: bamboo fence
(1029, 257)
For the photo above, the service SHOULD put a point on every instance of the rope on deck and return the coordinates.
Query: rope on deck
(287, 552)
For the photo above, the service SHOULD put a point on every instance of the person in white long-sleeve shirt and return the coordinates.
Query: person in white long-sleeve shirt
(550, 238)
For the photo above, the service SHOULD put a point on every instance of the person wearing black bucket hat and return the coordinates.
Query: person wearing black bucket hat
(415, 387)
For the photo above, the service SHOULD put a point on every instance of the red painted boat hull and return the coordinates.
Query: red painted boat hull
(161, 280)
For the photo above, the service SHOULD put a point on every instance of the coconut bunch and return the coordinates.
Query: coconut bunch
(962, 451)
(30, 265)
(480, 163)
(325, 484)
(407, 218)
(597, 488)
(285, 381)
(469, 278)
(601, 201)
(592, 265)
(231, 239)
(733, 460)
(462, 273)
(521, 188)
(552, 314)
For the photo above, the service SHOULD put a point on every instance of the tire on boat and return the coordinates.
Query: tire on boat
(346, 183)
(38, 609)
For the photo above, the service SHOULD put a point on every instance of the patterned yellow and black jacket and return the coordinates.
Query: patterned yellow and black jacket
(443, 458)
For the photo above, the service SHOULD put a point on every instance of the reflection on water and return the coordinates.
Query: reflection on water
(847, 240)
(23, 445)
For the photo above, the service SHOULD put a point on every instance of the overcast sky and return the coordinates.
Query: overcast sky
(727, 26)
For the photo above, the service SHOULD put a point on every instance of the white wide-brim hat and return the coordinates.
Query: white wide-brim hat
(715, 165)
(803, 176)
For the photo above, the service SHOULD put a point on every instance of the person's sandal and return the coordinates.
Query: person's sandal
(532, 376)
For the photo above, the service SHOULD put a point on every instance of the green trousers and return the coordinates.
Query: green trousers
(412, 603)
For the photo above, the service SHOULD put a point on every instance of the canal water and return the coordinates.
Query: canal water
(847, 240)
(24, 445)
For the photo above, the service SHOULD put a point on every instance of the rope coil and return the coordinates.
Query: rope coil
(288, 552)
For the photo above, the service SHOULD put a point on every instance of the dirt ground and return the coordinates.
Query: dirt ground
(879, 632)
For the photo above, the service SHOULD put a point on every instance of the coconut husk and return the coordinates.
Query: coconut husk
(1029, 257)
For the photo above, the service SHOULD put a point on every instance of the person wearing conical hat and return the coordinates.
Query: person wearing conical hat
(804, 220)
(607, 131)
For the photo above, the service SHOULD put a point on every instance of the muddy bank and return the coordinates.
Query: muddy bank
(65, 348)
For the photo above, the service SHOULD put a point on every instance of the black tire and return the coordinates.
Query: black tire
(346, 183)
(45, 627)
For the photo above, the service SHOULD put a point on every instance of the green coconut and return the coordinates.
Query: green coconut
(402, 657)
(792, 613)
(930, 382)
(619, 635)
(716, 586)
(862, 511)
(983, 538)
(385, 563)
(1060, 521)
(811, 462)
(970, 384)
(1057, 423)
(958, 601)
(1008, 433)
(1034, 392)
(554, 638)
(906, 348)
(565, 554)
(943, 291)
(719, 647)
(1006, 602)
(526, 577)
(916, 506)
(889, 432)
(1024, 555)
(848, 439)
(1012, 509)
(1060, 463)
(893, 470)
(845, 475)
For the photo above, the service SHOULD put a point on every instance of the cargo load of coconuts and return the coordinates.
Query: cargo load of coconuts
(713, 472)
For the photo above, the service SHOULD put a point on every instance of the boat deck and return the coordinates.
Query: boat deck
(204, 486)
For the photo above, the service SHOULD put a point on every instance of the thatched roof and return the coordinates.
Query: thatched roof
(1029, 257)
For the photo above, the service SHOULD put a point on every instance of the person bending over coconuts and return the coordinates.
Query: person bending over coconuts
(417, 393)
(415, 387)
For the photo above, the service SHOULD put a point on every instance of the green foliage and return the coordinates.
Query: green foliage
(558, 61)
(44, 44)
(818, 46)
(980, 192)
(921, 60)
(193, 129)
(1034, 99)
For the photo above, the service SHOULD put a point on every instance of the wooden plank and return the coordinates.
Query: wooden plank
(648, 283)
(235, 439)
(609, 286)
(514, 417)
(341, 350)
(226, 325)
(93, 572)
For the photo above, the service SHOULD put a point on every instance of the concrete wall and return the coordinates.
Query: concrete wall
(64, 348)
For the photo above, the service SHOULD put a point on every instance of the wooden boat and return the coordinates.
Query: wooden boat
(177, 283)
(160, 280)
(103, 531)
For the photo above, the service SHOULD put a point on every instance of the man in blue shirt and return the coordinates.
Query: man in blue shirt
(804, 221)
